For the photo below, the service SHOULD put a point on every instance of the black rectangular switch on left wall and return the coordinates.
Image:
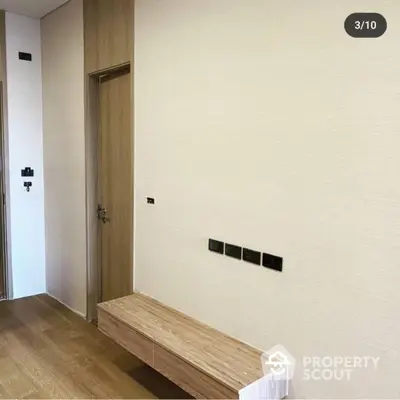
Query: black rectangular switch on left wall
(25, 56)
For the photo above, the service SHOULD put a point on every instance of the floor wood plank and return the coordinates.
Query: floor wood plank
(47, 351)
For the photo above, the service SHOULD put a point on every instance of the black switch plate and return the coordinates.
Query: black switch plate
(273, 262)
(25, 56)
(233, 251)
(252, 256)
(216, 246)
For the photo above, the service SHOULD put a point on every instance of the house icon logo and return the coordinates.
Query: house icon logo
(279, 362)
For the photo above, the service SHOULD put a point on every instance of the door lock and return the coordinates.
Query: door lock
(102, 214)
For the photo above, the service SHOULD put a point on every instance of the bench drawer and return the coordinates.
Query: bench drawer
(192, 380)
(128, 338)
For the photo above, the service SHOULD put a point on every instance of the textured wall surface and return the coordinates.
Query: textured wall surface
(263, 124)
(25, 149)
(64, 154)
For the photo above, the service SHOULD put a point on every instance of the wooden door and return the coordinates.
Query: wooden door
(115, 185)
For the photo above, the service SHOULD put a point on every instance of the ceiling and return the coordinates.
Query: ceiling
(31, 8)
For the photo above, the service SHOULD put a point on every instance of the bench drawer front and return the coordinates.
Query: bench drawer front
(128, 338)
(192, 380)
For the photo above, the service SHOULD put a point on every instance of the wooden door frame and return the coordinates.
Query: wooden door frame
(92, 91)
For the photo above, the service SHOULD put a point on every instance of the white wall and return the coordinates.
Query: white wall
(263, 124)
(25, 149)
(64, 154)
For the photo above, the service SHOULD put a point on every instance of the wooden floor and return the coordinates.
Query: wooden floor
(46, 351)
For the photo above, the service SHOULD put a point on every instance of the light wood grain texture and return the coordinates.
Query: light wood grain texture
(108, 45)
(128, 338)
(108, 31)
(190, 379)
(116, 185)
(47, 351)
(224, 359)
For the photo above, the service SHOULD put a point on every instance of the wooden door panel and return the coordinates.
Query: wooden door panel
(116, 186)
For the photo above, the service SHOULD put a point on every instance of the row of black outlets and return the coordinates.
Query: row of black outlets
(245, 254)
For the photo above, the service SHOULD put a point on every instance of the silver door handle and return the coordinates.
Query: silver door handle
(102, 214)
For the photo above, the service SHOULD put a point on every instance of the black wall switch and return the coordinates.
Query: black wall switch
(273, 262)
(25, 56)
(216, 246)
(151, 200)
(233, 251)
(252, 256)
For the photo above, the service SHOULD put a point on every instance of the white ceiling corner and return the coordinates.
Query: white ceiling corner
(31, 8)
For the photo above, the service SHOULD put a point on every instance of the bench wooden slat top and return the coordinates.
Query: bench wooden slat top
(227, 360)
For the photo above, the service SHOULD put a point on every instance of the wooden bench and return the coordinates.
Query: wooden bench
(201, 360)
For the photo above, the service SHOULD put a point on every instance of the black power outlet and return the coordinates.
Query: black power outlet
(272, 262)
(27, 172)
(252, 256)
(233, 251)
(216, 246)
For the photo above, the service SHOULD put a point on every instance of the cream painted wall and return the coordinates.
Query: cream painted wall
(263, 124)
(25, 149)
(64, 154)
